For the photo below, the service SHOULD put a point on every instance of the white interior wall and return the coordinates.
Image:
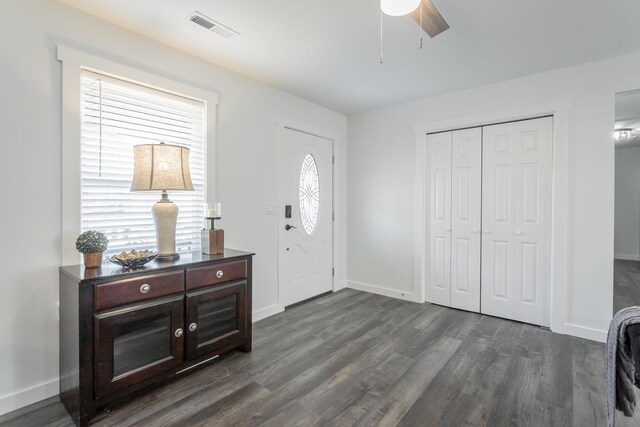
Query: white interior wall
(380, 176)
(380, 251)
(30, 219)
(627, 205)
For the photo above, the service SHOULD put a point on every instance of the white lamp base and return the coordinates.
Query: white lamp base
(165, 216)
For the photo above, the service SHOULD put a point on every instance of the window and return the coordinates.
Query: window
(116, 115)
(309, 194)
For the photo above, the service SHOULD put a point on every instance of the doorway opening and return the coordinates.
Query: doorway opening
(627, 201)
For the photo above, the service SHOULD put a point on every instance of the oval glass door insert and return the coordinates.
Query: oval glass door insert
(309, 193)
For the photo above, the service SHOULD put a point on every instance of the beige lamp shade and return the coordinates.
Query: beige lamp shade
(161, 167)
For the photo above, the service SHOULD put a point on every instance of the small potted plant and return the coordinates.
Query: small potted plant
(92, 244)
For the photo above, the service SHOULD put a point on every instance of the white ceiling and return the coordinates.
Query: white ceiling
(327, 51)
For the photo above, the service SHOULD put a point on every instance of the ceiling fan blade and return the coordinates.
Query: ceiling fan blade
(432, 22)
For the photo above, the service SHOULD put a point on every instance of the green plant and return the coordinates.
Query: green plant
(91, 242)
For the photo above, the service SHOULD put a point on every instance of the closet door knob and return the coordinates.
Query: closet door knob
(487, 231)
(518, 233)
(475, 230)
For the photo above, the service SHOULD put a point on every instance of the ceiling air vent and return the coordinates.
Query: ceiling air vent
(211, 25)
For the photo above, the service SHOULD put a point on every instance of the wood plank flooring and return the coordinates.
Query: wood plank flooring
(358, 359)
(626, 279)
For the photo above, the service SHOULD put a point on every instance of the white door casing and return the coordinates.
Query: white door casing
(305, 250)
(516, 194)
(439, 208)
(466, 208)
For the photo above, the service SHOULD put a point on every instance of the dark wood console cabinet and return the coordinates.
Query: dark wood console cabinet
(122, 331)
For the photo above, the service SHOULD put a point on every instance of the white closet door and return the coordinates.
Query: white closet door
(439, 208)
(466, 187)
(516, 194)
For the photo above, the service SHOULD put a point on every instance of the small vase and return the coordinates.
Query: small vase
(93, 260)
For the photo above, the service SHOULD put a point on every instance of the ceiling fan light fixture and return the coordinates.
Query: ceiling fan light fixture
(623, 134)
(399, 7)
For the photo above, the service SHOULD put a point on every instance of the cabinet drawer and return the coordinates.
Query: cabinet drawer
(219, 273)
(138, 289)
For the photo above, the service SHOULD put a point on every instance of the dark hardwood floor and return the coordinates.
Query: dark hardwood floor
(357, 359)
(626, 281)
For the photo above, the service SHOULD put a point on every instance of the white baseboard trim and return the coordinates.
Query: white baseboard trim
(584, 332)
(393, 293)
(338, 286)
(263, 313)
(627, 257)
(16, 400)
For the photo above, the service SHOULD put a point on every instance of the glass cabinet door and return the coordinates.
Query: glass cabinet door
(138, 342)
(216, 318)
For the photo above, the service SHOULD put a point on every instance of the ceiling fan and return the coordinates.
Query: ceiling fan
(422, 11)
(432, 22)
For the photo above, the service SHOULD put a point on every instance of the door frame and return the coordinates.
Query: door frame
(561, 111)
(283, 124)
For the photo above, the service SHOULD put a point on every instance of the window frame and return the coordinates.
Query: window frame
(73, 61)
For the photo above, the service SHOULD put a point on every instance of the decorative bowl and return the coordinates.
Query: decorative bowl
(133, 259)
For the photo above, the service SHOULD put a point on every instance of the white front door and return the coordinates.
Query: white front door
(516, 197)
(306, 224)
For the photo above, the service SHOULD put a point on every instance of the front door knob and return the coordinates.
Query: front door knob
(289, 227)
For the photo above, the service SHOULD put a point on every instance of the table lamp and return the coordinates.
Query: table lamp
(162, 167)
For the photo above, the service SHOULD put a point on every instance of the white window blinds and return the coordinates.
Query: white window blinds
(116, 115)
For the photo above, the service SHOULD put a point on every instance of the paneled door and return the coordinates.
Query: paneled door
(135, 343)
(306, 216)
(439, 208)
(216, 318)
(466, 179)
(516, 197)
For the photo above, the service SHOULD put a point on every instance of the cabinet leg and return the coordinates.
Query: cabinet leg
(84, 421)
(246, 347)
(89, 414)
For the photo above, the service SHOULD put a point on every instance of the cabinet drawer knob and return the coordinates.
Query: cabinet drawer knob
(178, 332)
(193, 327)
(145, 288)
(219, 274)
